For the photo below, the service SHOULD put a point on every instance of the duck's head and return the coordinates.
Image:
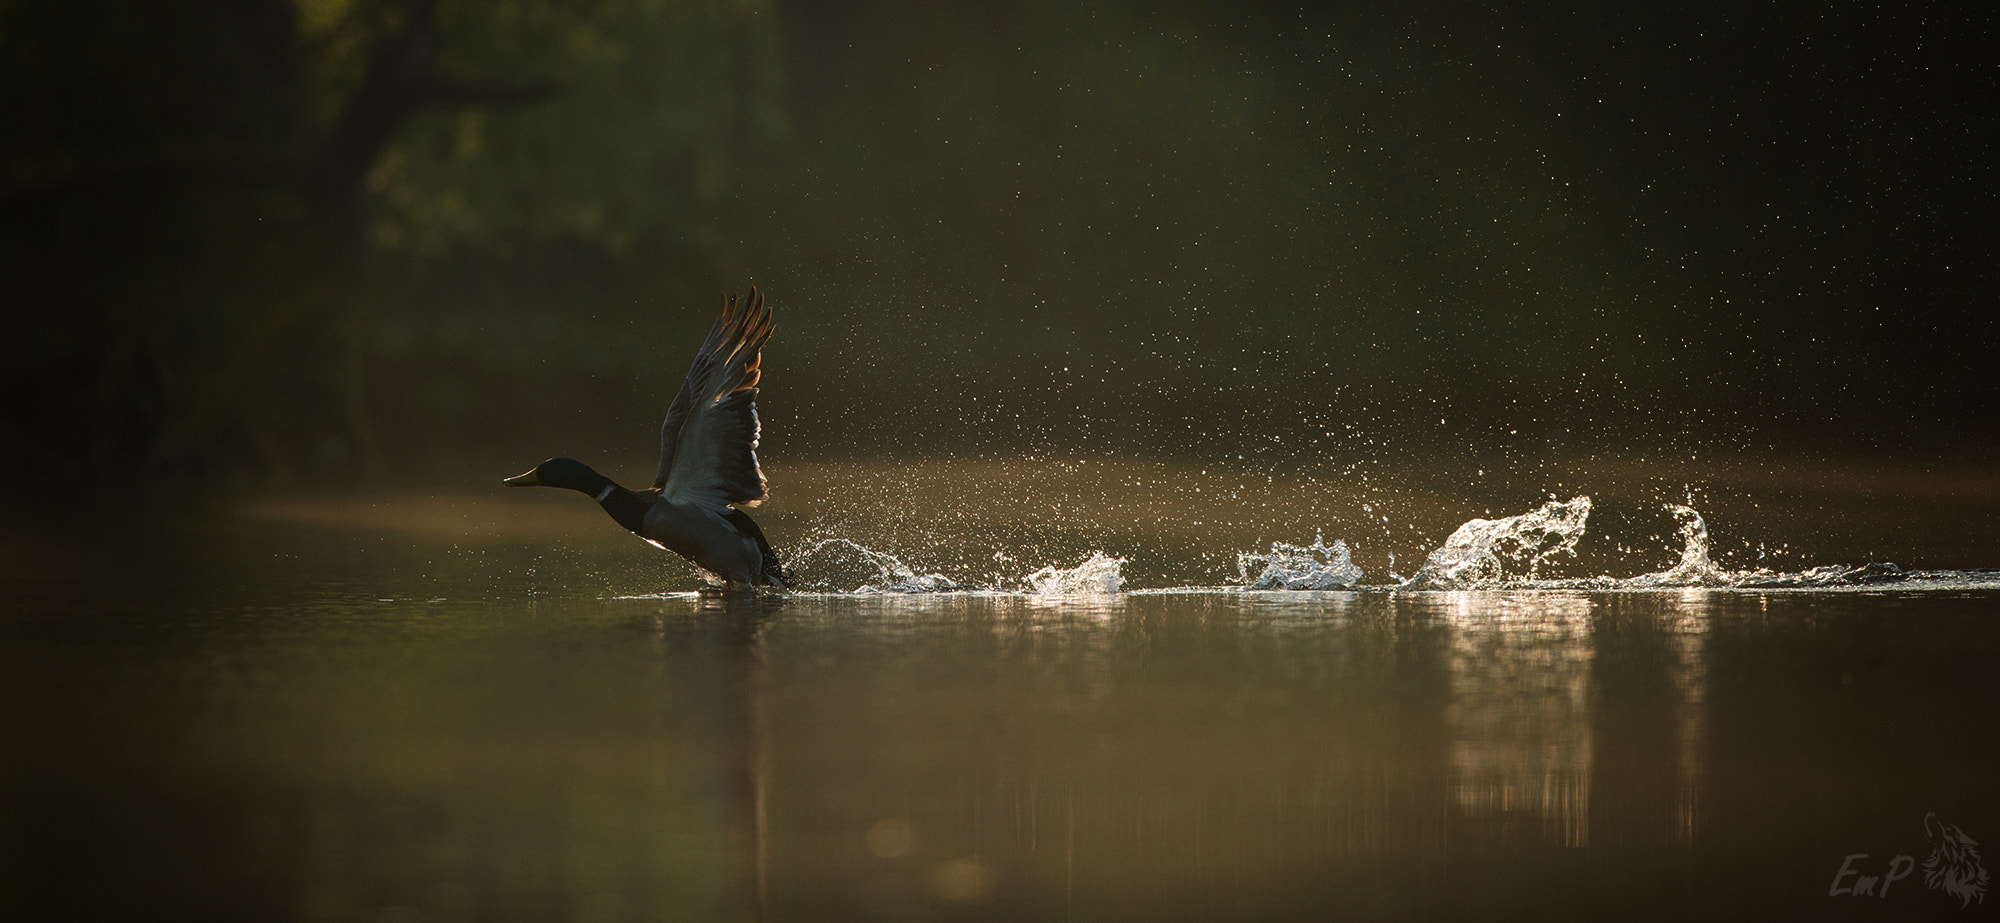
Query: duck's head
(560, 472)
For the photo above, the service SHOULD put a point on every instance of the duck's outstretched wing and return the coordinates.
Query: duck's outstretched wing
(708, 444)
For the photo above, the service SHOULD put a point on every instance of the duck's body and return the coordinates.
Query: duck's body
(708, 461)
(728, 544)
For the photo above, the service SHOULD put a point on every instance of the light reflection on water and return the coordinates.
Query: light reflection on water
(1520, 712)
(321, 724)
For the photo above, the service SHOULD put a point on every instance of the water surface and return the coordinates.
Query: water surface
(329, 717)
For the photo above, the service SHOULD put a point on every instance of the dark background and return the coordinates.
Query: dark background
(270, 242)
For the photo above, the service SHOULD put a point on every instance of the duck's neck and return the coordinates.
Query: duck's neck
(628, 507)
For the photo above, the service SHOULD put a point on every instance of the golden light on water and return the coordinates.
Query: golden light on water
(890, 838)
(962, 880)
(1520, 714)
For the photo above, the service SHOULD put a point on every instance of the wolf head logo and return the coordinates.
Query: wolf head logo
(1954, 865)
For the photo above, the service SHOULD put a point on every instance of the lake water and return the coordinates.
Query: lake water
(466, 706)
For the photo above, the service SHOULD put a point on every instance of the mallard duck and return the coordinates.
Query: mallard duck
(708, 461)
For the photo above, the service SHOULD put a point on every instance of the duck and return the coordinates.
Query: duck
(708, 473)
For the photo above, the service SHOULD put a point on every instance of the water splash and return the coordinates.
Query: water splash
(1508, 553)
(1830, 576)
(1482, 551)
(840, 565)
(1098, 574)
(1317, 566)
(1695, 569)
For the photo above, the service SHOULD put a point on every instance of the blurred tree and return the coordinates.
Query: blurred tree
(199, 197)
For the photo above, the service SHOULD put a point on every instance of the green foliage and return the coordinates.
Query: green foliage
(653, 97)
(209, 204)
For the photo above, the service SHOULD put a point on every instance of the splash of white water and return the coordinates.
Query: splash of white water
(1694, 569)
(1098, 574)
(838, 565)
(1317, 566)
(845, 566)
(1481, 552)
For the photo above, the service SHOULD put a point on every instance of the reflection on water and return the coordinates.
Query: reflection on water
(1687, 675)
(1520, 712)
(732, 630)
(1523, 708)
(307, 724)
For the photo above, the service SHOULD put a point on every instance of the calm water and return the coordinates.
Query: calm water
(319, 715)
